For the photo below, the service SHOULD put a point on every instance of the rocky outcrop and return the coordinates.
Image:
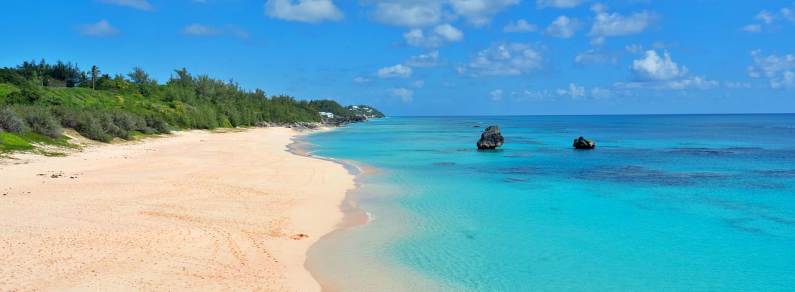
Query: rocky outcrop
(295, 125)
(341, 121)
(491, 138)
(584, 144)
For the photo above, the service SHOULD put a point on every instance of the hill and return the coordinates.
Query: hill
(41, 99)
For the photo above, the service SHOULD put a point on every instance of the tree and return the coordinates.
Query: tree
(138, 76)
(142, 82)
(94, 74)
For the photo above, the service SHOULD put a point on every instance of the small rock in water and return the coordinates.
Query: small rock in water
(584, 144)
(491, 138)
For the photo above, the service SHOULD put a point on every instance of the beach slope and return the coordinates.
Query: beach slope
(197, 210)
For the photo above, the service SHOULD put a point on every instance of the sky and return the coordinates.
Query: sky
(439, 57)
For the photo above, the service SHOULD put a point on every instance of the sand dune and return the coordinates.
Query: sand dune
(199, 210)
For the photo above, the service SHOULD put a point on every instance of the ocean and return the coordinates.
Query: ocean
(664, 203)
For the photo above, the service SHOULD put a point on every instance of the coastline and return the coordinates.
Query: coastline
(169, 213)
(352, 215)
(348, 251)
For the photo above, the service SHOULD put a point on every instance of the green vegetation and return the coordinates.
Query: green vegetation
(42, 99)
(330, 106)
(11, 142)
(364, 110)
(338, 110)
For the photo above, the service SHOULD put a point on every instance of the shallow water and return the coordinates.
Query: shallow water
(671, 203)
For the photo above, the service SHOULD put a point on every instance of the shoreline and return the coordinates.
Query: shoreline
(168, 213)
(353, 215)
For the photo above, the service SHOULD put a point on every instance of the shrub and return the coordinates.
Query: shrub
(8, 75)
(11, 122)
(84, 122)
(127, 121)
(69, 118)
(41, 121)
(27, 95)
(90, 127)
(158, 124)
(106, 121)
(148, 131)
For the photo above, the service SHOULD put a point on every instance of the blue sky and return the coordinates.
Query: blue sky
(439, 57)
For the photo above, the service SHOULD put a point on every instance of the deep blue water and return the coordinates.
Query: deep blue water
(665, 203)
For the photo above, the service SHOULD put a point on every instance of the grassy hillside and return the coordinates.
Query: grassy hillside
(103, 107)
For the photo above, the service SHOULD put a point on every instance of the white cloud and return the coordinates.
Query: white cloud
(660, 72)
(572, 91)
(397, 71)
(480, 12)
(634, 48)
(418, 84)
(600, 93)
(558, 3)
(408, 14)
(405, 94)
(696, 82)
(201, 30)
(424, 60)
(520, 25)
(416, 37)
(311, 11)
(449, 32)
(592, 56)
(532, 95)
(135, 4)
(766, 19)
(419, 13)
(103, 28)
(752, 28)
(504, 59)
(496, 95)
(652, 67)
(361, 80)
(787, 14)
(778, 70)
(563, 27)
(435, 38)
(614, 24)
(736, 84)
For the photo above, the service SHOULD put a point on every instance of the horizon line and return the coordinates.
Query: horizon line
(586, 115)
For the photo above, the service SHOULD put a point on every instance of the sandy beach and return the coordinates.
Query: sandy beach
(194, 210)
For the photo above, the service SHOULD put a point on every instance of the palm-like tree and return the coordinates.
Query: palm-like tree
(94, 73)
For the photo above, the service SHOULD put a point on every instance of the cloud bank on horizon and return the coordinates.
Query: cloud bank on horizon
(444, 56)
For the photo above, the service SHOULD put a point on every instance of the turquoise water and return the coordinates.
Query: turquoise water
(668, 203)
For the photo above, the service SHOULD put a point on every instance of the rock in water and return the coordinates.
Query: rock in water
(585, 144)
(491, 138)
